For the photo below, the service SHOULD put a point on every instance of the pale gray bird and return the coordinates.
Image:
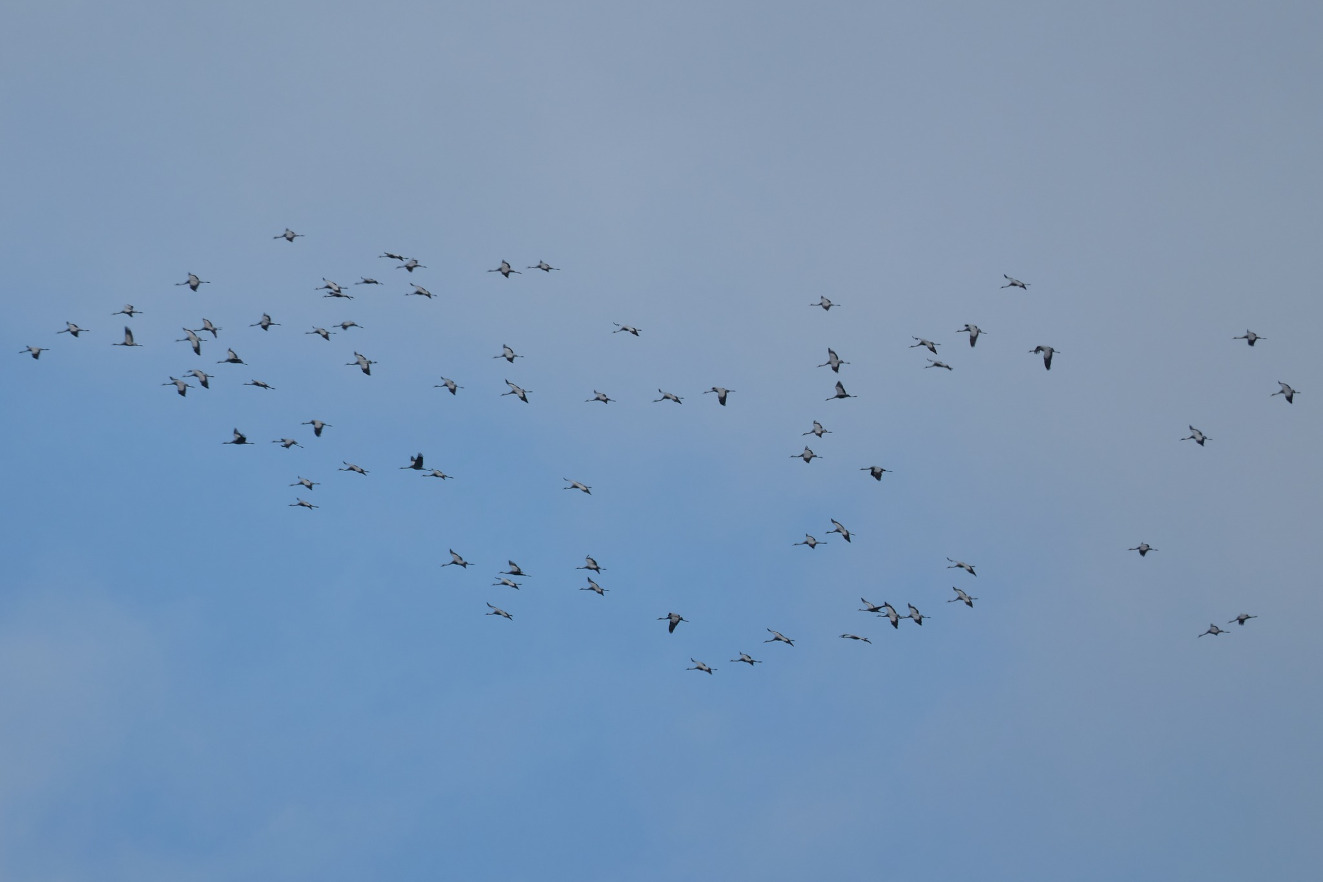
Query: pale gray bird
(721, 393)
(128, 339)
(1143, 548)
(437, 473)
(344, 326)
(875, 471)
(128, 310)
(870, 607)
(350, 467)
(334, 289)
(447, 383)
(259, 384)
(1286, 391)
(968, 568)
(411, 264)
(71, 329)
(747, 659)
(208, 326)
(231, 357)
(973, 331)
(289, 235)
(817, 430)
(1013, 283)
(1242, 618)
(699, 666)
(841, 393)
(1214, 630)
(667, 396)
(590, 564)
(365, 280)
(808, 455)
(203, 378)
(287, 443)
(1047, 352)
(305, 483)
(824, 303)
(1196, 436)
(515, 570)
(320, 332)
(302, 503)
(575, 485)
(917, 616)
(594, 587)
(456, 560)
(507, 583)
(838, 527)
(507, 353)
(934, 363)
(599, 396)
(180, 386)
(191, 337)
(265, 323)
(778, 637)
(392, 256)
(833, 361)
(926, 344)
(962, 597)
(317, 426)
(420, 291)
(1250, 337)
(192, 282)
(628, 329)
(364, 363)
(544, 266)
(856, 637)
(674, 619)
(809, 541)
(517, 391)
(889, 612)
(505, 269)
(497, 611)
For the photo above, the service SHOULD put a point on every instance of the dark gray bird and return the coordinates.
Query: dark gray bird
(1013, 283)
(867, 607)
(599, 396)
(1242, 618)
(289, 235)
(239, 438)
(259, 384)
(889, 612)
(415, 463)
(1250, 337)
(973, 331)
(505, 269)
(393, 256)
(333, 289)
(833, 361)
(1214, 630)
(365, 280)
(287, 443)
(128, 310)
(437, 473)
(1047, 352)
(875, 471)
(1143, 548)
(208, 326)
(674, 619)
(515, 570)
(344, 326)
(1196, 436)
(856, 637)
(192, 282)
(1286, 391)
(841, 393)
(231, 357)
(264, 323)
(411, 265)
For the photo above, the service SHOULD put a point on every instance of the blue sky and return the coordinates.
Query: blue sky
(203, 683)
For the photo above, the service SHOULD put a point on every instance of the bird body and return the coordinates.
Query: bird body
(351, 467)
(1047, 352)
(674, 619)
(505, 269)
(838, 527)
(203, 378)
(1143, 548)
(259, 384)
(180, 386)
(961, 565)
(317, 426)
(239, 438)
(1214, 630)
(833, 361)
(917, 616)
(1196, 436)
(575, 485)
(599, 396)
(747, 659)
(289, 235)
(875, 471)
(34, 351)
(699, 666)
(856, 637)
(962, 597)
(594, 587)
(840, 392)
(1013, 283)
(456, 560)
(231, 357)
(264, 324)
(415, 463)
(809, 541)
(817, 431)
(934, 363)
(191, 337)
(1286, 391)
(302, 503)
(824, 303)
(720, 391)
(808, 455)
(778, 637)
(544, 266)
(1242, 618)
(1249, 337)
(364, 363)
(590, 564)
(193, 282)
(287, 443)
(128, 339)
(628, 329)
(518, 391)
(973, 331)
(926, 344)
(71, 329)
(447, 383)
(667, 396)
(497, 611)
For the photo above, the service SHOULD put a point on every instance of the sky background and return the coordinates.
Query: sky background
(200, 682)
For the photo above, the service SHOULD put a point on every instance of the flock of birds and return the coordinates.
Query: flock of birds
(507, 578)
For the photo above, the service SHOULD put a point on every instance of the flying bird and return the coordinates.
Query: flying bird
(1047, 352)
(302, 503)
(497, 611)
(231, 357)
(505, 269)
(1013, 283)
(456, 560)
(365, 280)
(926, 344)
(1249, 337)
(934, 363)
(841, 393)
(590, 564)
(968, 568)
(778, 637)
(599, 396)
(508, 583)
(518, 391)
(344, 326)
(287, 443)
(628, 329)
(699, 666)
(180, 386)
(191, 337)
(1242, 618)
(824, 303)
(889, 612)
(867, 607)
(289, 235)
(411, 264)
(364, 363)
(667, 396)
(721, 393)
(1196, 436)
(305, 483)
(259, 384)
(875, 471)
(833, 361)
(1286, 391)
(192, 282)
(128, 339)
(334, 289)
(1214, 630)
(1143, 548)
(917, 616)
(856, 637)
(420, 291)
(962, 597)
(515, 570)
(507, 353)
(447, 383)
(542, 265)
(415, 463)
(575, 485)
(128, 310)
(817, 430)
(594, 587)
(350, 467)
(838, 527)
(264, 324)
(973, 331)
(437, 473)
(71, 329)
(674, 619)
(808, 455)
(239, 438)
(747, 659)
(393, 256)
(203, 378)
(320, 332)
(317, 426)
(809, 541)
